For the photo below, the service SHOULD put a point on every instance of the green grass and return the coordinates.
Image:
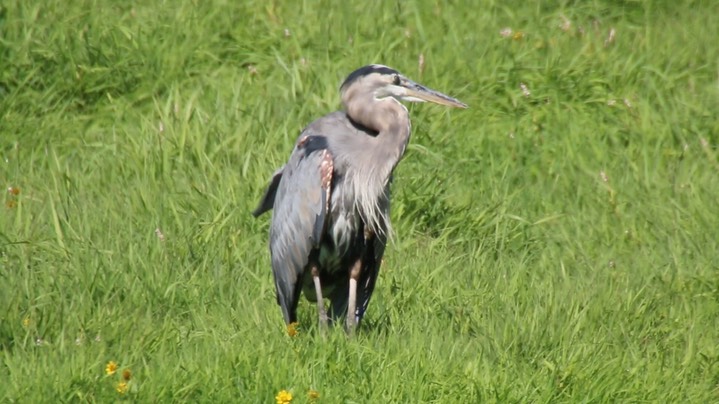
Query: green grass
(557, 247)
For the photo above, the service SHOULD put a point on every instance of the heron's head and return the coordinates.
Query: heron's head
(381, 82)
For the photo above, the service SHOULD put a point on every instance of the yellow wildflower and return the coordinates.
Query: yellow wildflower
(121, 387)
(26, 322)
(313, 395)
(283, 397)
(292, 329)
(111, 368)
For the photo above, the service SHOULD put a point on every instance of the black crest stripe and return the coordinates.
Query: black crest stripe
(367, 70)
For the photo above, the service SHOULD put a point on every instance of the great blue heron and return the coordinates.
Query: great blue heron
(331, 200)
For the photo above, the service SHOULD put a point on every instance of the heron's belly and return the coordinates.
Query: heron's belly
(343, 228)
(329, 259)
(343, 245)
(333, 274)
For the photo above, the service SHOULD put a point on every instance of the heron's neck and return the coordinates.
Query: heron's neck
(390, 119)
(393, 138)
(374, 155)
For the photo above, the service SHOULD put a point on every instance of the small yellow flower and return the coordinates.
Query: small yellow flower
(111, 368)
(518, 35)
(26, 322)
(283, 397)
(121, 387)
(292, 329)
(313, 395)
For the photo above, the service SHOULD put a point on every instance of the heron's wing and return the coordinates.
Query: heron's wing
(372, 260)
(298, 219)
(370, 273)
(268, 199)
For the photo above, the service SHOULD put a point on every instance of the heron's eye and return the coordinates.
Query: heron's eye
(396, 80)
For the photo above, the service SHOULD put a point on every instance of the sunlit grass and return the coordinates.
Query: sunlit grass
(557, 241)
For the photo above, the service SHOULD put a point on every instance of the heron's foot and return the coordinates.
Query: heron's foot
(350, 324)
(322, 313)
(324, 319)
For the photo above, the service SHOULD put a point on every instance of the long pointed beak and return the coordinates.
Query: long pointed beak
(420, 92)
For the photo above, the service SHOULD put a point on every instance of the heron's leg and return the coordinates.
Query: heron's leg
(352, 303)
(320, 300)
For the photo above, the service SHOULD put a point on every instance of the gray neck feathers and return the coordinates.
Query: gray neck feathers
(373, 158)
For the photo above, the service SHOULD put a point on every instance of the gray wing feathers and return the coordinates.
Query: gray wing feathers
(298, 220)
(372, 262)
(268, 199)
(369, 276)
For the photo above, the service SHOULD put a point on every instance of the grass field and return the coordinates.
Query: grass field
(556, 242)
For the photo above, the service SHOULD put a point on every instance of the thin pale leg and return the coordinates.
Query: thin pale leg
(352, 302)
(320, 300)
